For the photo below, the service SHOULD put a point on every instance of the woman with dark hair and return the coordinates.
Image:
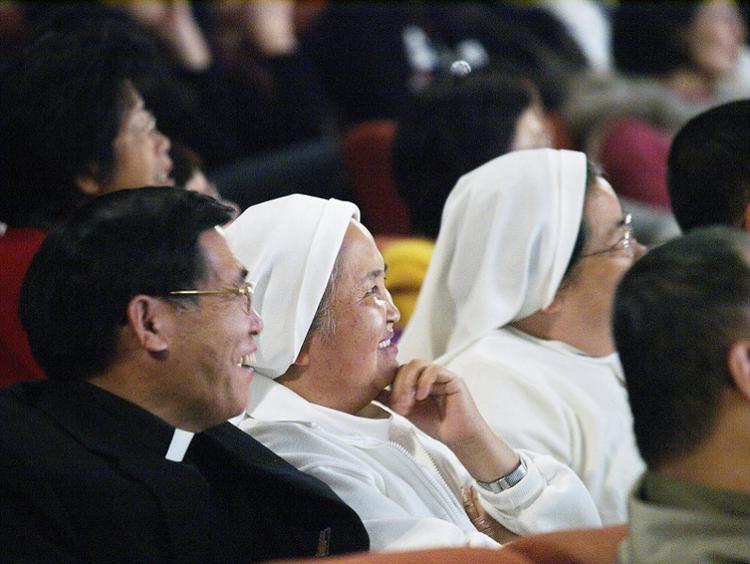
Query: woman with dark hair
(450, 128)
(74, 127)
(453, 127)
(676, 59)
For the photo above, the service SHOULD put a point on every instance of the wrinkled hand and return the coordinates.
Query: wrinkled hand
(484, 523)
(436, 400)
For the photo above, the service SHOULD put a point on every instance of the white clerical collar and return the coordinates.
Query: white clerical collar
(271, 401)
(179, 445)
(237, 419)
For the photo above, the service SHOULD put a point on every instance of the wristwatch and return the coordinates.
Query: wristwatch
(507, 481)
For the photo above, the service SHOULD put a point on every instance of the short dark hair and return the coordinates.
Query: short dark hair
(708, 172)
(447, 130)
(648, 38)
(677, 311)
(129, 242)
(63, 101)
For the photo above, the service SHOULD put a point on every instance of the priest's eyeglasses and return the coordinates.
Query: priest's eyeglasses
(245, 290)
(624, 244)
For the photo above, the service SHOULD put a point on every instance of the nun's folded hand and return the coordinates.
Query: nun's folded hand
(436, 400)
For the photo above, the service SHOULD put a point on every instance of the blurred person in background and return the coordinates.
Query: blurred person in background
(189, 173)
(455, 125)
(371, 57)
(673, 60)
(74, 127)
(451, 127)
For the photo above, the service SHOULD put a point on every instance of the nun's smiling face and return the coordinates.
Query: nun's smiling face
(356, 359)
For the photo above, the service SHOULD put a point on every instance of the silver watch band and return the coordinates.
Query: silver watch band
(507, 481)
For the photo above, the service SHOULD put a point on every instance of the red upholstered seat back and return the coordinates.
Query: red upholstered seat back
(367, 155)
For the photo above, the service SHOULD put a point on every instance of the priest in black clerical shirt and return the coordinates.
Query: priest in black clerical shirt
(143, 322)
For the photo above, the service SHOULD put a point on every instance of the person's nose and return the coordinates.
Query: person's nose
(392, 313)
(256, 322)
(163, 143)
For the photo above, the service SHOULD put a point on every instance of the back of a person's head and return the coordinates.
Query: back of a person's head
(708, 174)
(447, 130)
(677, 311)
(63, 100)
(125, 243)
(648, 38)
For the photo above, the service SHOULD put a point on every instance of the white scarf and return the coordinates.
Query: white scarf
(289, 246)
(507, 233)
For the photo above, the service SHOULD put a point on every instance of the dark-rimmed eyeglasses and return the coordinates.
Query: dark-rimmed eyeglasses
(245, 290)
(625, 244)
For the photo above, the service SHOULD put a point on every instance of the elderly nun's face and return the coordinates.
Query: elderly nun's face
(603, 262)
(357, 360)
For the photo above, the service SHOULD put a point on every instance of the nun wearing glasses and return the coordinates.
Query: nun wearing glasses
(403, 445)
(517, 300)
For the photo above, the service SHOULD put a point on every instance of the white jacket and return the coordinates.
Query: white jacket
(551, 398)
(405, 486)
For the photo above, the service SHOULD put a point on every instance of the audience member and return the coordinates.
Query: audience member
(142, 319)
(451, 127)
(74, 127)
(681, 324)
(250, 106)
(454, 126)
(709, 168)
(517, 301)
(188, 172)
(329, 346)
(371, 57)
(224, 104)
(675, 60)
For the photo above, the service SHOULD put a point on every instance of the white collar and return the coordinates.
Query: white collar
(611, 361)
(179, 445)
(271, 401)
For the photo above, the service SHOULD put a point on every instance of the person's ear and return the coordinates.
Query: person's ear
(739, 367)
(150, 321)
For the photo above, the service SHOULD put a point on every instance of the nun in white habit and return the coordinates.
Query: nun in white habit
(326, 354)
(517, 301)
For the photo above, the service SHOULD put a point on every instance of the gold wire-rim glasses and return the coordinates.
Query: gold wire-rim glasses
(245, 289)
